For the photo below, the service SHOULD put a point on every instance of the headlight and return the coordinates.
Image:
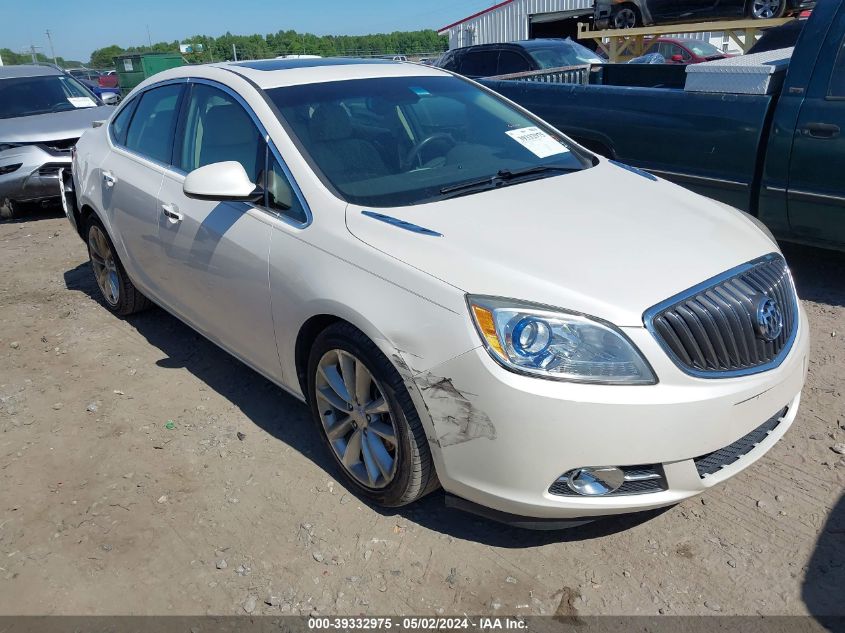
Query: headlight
(549, 343)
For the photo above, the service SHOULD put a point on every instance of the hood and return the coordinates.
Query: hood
(51, 127)
(606, 241)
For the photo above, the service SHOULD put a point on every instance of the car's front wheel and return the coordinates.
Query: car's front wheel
(118, 292)
(766, 9)
(367, 419)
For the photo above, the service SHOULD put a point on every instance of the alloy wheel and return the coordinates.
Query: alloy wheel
(104, 265)
(625, 18)
(765, 9)
(357, 419)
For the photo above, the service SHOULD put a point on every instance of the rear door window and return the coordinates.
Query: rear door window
(151, 130)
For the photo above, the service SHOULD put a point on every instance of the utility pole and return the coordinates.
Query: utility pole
(52, 50)
(32, 49)
(149, 38)
(234, 52)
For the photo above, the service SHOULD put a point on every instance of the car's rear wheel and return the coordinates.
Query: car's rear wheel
(367, 419)
(625, 17)
(118, 292)
(8, 209)
(766, 9)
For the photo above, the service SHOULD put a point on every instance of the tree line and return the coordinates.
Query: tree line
(215, 49)
(11, 58)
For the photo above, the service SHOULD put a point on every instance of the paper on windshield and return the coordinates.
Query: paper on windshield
(81, 102)
(537, 142)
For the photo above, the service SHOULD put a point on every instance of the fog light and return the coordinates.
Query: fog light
(594, 482)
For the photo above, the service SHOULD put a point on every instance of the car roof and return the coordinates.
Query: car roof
(276, 73)
(28, 70)
(544, 41)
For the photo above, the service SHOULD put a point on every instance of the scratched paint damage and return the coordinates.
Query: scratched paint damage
(456, 418)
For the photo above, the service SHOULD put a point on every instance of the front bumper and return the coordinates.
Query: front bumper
(36, 176)
(504, 439)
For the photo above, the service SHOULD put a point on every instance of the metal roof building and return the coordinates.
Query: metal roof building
(515, 20)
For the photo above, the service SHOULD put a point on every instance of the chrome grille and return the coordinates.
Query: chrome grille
(714, 331)
(717, 460)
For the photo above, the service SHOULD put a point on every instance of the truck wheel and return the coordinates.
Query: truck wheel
(766, 9)
(118, 292)
(625, 17)
(367, 419)
(9, 210)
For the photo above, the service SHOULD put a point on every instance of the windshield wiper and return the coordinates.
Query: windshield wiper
(502, 177)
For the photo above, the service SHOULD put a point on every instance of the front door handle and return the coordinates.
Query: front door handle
(171, 212)
(109, 179)
(821, 130)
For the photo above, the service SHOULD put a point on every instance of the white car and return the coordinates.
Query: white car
(462, 295)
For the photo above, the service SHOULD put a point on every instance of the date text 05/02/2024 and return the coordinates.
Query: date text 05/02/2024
(416, 623)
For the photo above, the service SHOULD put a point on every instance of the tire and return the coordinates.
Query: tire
(625, 17)
(766, 9)
(412, 475)
(9, 210)
(117, 291)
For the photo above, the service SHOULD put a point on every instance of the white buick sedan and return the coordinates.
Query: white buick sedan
(463, 296)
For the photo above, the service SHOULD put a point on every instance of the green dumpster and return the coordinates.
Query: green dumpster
(133, 68)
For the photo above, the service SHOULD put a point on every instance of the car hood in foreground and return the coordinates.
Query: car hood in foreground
(54, 126)
(605, 241)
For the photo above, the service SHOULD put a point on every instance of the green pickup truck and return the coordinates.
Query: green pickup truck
(779, 156)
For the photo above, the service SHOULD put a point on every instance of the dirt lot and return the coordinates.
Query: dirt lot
(106, 510)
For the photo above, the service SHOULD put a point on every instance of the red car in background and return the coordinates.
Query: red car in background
(684, 50)
(108, 79)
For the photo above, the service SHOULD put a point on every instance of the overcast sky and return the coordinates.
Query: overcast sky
(81, 26)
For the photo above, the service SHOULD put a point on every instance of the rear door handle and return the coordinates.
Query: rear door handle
(171, 212)
(821, 130)
(108, 179)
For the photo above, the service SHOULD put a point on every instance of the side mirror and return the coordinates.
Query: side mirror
(677, 58)
(226, 181)
(110, 98)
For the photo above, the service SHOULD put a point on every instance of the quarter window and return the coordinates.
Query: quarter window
(218, 129)
(281, 196)
(151, 129)
(120, 124)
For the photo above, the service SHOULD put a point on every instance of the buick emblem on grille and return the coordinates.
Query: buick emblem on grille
(769, 319)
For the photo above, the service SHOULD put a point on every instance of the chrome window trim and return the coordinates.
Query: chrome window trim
(813, 196)
(651, 313)
(262, 130)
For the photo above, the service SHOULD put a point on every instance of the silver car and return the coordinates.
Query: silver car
(43, 112)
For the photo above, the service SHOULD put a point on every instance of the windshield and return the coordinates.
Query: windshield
(565, 53)
(704, 49)
(404, 140)
(25, 96)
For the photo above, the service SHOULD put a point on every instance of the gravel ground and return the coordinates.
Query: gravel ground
(145, 471)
